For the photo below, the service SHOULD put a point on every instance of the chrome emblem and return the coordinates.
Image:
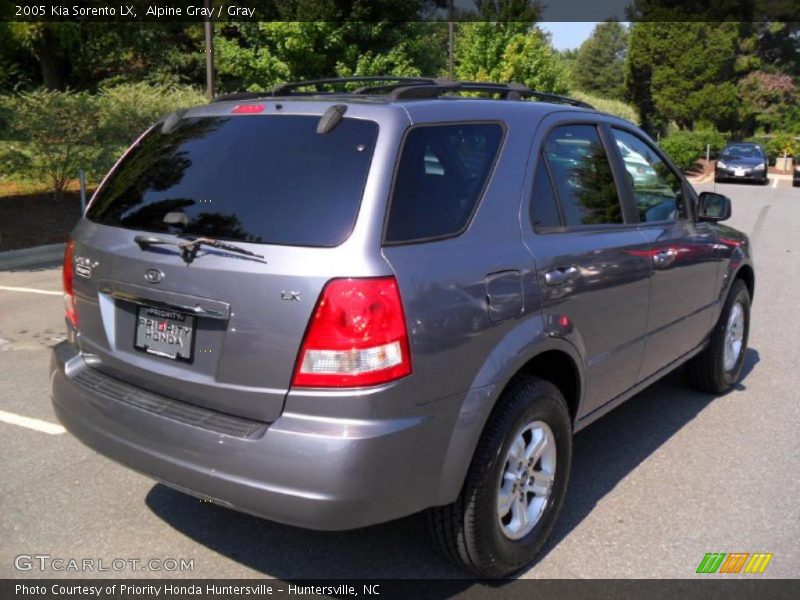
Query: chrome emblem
(153, 276)
(84, 266)
(290, 295)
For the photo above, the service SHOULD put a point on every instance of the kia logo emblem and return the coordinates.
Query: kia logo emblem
(153, 275)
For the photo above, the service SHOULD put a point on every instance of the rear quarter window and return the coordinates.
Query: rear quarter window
(441, 174)
(260, 179)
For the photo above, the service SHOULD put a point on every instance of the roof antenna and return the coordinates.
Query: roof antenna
(331, 118)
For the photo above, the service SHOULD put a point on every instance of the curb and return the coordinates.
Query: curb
(31, 257)
(702, 179)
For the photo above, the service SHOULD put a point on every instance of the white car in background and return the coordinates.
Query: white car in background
(637, 165)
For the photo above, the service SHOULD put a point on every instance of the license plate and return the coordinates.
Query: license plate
(739, 172)
(164, 332)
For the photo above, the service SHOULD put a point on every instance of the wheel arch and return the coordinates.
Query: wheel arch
(746, 274)
(553, 359)
(559, 368)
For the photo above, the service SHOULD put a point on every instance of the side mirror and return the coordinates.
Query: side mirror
(713, 207)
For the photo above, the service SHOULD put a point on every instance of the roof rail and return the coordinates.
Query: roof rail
(507, 91)
(285, 89)
(418, 88)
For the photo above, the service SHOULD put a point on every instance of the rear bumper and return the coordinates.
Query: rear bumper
(314, 472)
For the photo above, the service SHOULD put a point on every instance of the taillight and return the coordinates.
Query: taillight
(357, 336)
(67, 275)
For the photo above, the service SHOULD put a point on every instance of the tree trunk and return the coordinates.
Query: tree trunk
(51, 64)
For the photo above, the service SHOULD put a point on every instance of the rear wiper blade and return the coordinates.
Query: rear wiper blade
(190, 246)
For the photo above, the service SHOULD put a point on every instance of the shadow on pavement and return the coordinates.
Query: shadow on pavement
(604, 454)
(609, 449)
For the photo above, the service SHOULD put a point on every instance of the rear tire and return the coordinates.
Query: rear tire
(475, 531)
(716, 369)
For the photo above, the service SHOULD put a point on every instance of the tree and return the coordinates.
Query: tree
(81, 55)
(256, 56)
(49, 44)
(507, 52)
(600, 65)
(509, 11)
(567, 59)
(683, 72)
(54, 134)
(766, 99)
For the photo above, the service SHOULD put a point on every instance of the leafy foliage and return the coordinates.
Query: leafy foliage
(782, 143)
(509, 52)
(124, 111)
(613, 107)
(683, 72)
(767, 98)
(687, 147)
(54, 134)
(257, 56)
(700, 73)
(600, 64)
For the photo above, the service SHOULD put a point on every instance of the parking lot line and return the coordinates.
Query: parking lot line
(29, 290)
(30, 423)
(774, 182)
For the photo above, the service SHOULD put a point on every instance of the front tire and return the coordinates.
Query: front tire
(719, 366)
(515, 485)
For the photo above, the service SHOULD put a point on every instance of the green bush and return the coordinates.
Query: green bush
(776, 144)
(607, 105)
(683, 147)
(126, 110)
(782, 143)
(713, 138)
(687, 147)
(50, 136)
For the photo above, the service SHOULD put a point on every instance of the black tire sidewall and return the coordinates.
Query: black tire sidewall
(738, 294)
(533, 401)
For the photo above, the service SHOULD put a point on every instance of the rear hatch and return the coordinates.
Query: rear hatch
(221, 330)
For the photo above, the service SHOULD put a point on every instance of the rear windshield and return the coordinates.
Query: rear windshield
(262, 179)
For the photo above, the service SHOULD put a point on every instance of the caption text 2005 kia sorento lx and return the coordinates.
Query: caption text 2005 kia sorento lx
(332, 309)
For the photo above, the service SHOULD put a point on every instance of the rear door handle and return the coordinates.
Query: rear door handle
(561, 275)
(665, 257)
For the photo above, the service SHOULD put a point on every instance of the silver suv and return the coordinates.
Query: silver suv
(336, 308)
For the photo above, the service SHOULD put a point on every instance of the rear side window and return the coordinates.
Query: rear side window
(441, 175)
(263, 179)
(582, 176)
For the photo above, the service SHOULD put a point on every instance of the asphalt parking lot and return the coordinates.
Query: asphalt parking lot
(665, 478)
